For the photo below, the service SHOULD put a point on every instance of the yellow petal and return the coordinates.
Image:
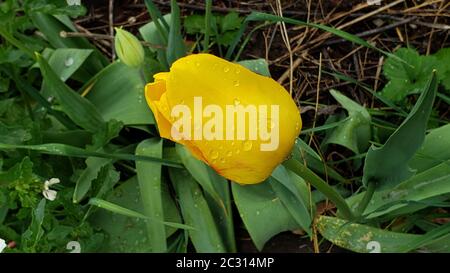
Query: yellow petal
(219, 82)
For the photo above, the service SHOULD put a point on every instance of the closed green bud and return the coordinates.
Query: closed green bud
(128, 48)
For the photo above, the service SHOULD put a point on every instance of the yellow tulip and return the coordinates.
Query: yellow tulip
(244, 147)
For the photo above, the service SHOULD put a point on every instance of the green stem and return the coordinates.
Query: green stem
(366, 199)
(207, 24)
(322, 186)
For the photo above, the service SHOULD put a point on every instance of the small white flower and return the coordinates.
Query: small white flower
(47, 192)
(3, 245)
(73, 2)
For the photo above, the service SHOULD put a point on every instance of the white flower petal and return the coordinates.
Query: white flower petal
(3, 245)
(53, 181)
(73, 2)
(49, 194)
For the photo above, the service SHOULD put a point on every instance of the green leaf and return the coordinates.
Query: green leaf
(443, 67)
(35, 231)
(52, 26)
(66, 61)
(406, 78)
(293, 192)
(13, 134)
(129, 233)
(79, 109)
(262, 212)
(118, 93)
(435, 150)
(175, 46)
(217, 194)
(201, 172)
(149, 178)
(67, 150)
(231, 21)
(196, 213)
(150, 33)
(361, 238)
(427, 184)
(388, 165)
(355, 132)
(259, 66)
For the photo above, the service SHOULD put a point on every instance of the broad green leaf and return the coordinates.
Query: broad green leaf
(196, 213)
(406, 78)
(160, 22)
(355, 132)
(66, 61)
(363, 239)
(435, 150)
(175, 46)
(118, 93)
(292, 191)
(388, 165)
(217, 194)
(262, 212)
(150, 33)
(149, 178)
(427, 184)
(79, 109)
(259, 66)
(201, 172)
(127, 229)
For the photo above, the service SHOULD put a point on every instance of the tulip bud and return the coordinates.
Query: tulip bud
(128, 48)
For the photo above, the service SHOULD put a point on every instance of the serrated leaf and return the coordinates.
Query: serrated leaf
(388, 165)
(443, 67)
(406, 78)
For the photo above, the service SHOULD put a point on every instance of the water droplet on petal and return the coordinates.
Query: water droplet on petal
(69, 62)
(226, 69)
(233, 143)
(197, 64)
(237, 71)
(247, 145)
(214, 154)
(222, 160)
(236, 101)
(238, 151)
(236, 83)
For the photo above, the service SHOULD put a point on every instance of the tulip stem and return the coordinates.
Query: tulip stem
(322, 186)
(366, 199)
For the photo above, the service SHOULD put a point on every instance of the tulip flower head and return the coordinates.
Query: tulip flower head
(240, 123)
